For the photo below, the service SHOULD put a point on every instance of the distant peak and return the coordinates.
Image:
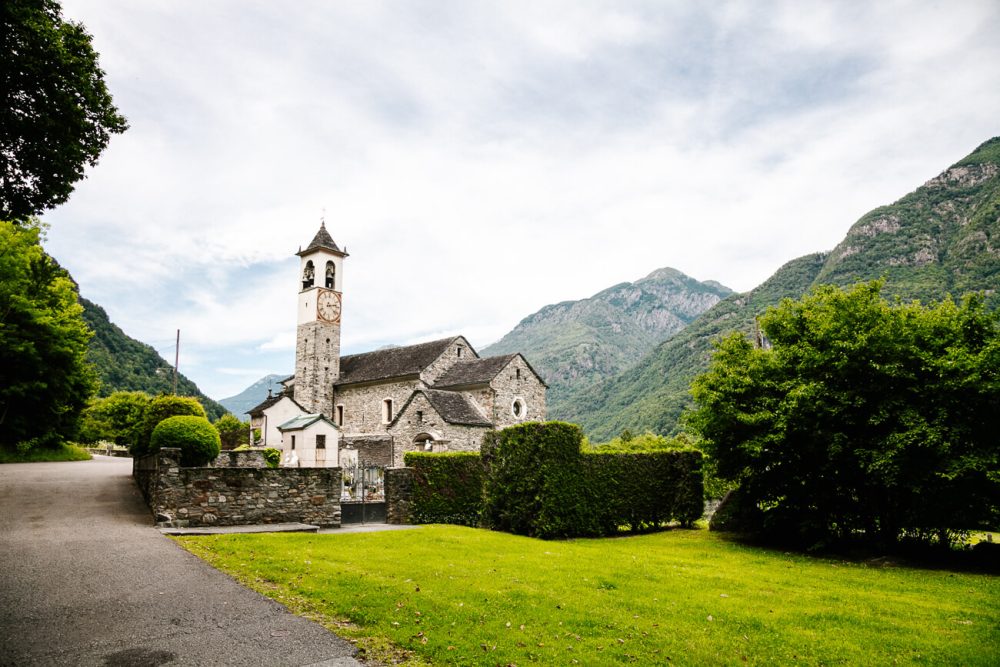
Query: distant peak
(666, 273)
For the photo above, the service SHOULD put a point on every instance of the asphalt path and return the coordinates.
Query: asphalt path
(85, 579)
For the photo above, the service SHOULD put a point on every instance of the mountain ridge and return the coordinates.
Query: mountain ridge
(941, 239)
(579, 342)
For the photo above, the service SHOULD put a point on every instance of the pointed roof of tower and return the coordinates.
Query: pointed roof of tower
(322, 240)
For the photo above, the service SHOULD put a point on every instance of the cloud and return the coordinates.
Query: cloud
(480, 161)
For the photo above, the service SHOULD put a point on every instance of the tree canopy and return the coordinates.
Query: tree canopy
(864, 419)
(114, 417)
(45, 380)
(57, 114)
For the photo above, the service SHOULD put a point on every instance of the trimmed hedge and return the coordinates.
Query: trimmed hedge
(195, 436)
(533, 479)
(447, 487)
(645, 489)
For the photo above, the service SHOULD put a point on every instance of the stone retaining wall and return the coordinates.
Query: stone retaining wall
(225, 496)
(246, 458)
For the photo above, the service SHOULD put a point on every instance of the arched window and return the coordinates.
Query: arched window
(331, 275)
(424, 441)
(308, 275)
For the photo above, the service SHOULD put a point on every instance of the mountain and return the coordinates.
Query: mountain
(252, 395)
(125, 364)
(576, 344)
(942, 239)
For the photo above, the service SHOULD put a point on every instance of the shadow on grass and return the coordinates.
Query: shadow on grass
(982, 558)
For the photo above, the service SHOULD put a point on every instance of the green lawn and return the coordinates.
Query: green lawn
(452, 595)
(65, 452)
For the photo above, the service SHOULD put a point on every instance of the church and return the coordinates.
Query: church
(372, 408)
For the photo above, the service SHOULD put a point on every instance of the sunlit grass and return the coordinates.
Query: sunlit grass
(446, 594)
(65, 452)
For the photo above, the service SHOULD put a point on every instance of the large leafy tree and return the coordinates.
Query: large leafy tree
(45, 380)
(57, 114)
(863, 419)
(114, 417)
(232, 432)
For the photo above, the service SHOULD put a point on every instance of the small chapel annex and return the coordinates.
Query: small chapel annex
(376, 406)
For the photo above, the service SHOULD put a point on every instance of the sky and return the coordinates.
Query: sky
(481, 160)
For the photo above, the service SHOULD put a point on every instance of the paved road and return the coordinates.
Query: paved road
(85, 579)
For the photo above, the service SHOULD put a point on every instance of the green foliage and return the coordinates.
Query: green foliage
(159, 409)
(57, 114)
(64, 451)
(45, 381)
(256, 435)
(194, 436)
(535, 484)
(539, 483)
(647, 442)
(643, 490)
(232, 431)
(272, 457)
(114, 417)
(125, 364)
(865, 420)
(447, 487)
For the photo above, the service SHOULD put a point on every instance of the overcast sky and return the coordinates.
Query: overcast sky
(481, 160)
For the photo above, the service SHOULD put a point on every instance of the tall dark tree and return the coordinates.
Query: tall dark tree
(866, 419)
(45, 380)
(57, 114)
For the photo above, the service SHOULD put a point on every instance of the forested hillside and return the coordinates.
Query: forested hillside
(576, 344)
(125, 364)
(942, 239)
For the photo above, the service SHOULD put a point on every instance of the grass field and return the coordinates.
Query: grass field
(452, 595)
(64, 452)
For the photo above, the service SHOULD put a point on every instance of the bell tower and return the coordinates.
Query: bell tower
(317, 343)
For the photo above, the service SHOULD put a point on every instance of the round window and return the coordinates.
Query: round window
(517, 408)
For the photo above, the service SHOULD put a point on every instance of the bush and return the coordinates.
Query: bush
(447, 488)
(535, 484)
(272, 457)
(194, 436)
(156, 411)
(644, 489)
(232, 432)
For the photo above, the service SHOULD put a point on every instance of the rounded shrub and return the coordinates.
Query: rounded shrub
(194, 436)
(155, 412)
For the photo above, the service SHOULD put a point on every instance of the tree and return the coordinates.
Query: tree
(114, 417)
(57, 114)
(159, 409)
(232, 431)
(864, 420)
(45, 380)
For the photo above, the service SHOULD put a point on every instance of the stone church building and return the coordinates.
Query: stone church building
(436, 396)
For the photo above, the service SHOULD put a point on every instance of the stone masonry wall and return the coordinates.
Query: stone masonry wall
(507, 387)
(447, 359)
(363, 405)
(456, 437)
(242, 459)
(398, 495)
(237, 496)
(372, 449)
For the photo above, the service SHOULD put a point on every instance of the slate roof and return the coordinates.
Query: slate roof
(302, 421)
(454, 408)
(392, 362)
(268, 402)
(473, 371)
(322, 240)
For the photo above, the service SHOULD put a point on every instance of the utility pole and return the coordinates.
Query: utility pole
(177, 358)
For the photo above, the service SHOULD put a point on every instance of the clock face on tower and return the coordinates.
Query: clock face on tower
(328, 306)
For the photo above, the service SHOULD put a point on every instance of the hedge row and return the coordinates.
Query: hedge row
(534, 480)
(447, 488)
